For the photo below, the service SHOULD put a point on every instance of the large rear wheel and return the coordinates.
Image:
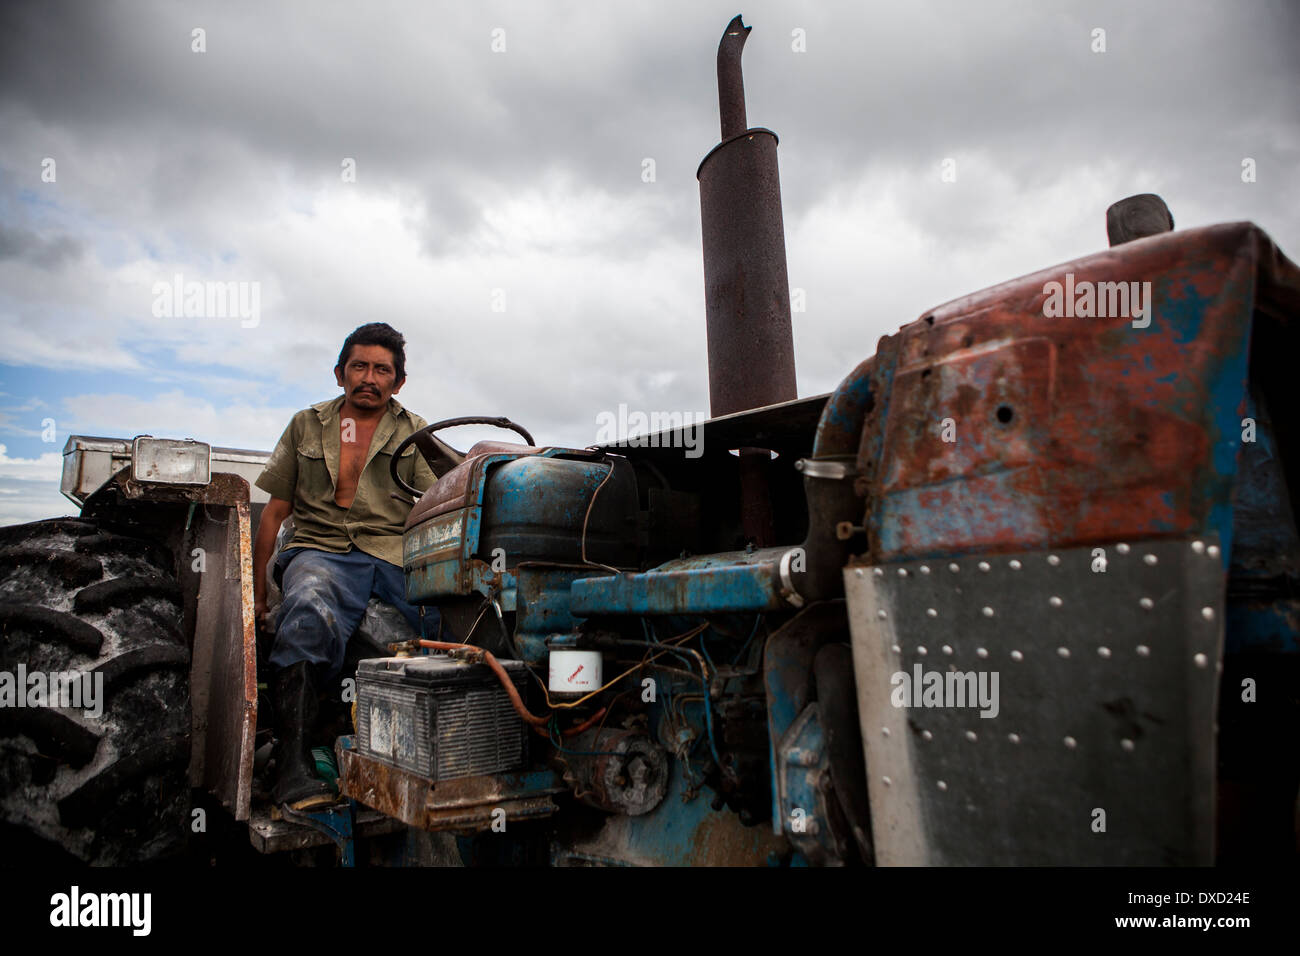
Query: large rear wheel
(103, 778)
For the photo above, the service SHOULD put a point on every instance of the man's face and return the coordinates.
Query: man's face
(369, 377)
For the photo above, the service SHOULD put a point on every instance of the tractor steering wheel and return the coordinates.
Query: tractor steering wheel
(423, 438)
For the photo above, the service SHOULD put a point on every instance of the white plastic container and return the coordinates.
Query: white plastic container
(574, 673)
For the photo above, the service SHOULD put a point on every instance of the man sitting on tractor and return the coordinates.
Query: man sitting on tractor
(330, 471)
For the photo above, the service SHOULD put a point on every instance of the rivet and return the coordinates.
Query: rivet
(921, 652)
(878, 572)
(1070, 743)
(1207, 613)
(970, 735)
(882, 614)
(1122, 548)
(925, 569)
(886, 781)
(926, 735)
(1147, 604)
(1198, 547)
(884, 731)
(987, 612)
(983, 565)
(942, 785)
(1126, 744)
(1013, 564)
(859, 573)
(1017, 656)
(1201, 660)
(931, 612)
(1053, 560)
(1014, 738)
(896, 649)
(953, 567)
(1063, 651)
(981, 652)
(1103, 652)
(902, 572)
(1212, 550)
(1149, 558)
(947, 649)
(1054, 601)
(1143, 650)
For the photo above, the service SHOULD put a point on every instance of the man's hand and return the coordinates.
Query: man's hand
(262, 615)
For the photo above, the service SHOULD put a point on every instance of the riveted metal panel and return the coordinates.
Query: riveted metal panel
(1094, 743)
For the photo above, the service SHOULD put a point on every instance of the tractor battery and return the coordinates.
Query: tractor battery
(440, 718)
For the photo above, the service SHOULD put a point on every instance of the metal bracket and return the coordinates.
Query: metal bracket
(836, 469)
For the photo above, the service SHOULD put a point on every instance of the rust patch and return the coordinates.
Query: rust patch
(464, 804)
(1072, 431)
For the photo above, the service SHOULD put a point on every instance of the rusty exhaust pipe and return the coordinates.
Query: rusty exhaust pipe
(747, 289)
(731, 82)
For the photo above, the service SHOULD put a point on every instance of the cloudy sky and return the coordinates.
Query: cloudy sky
(499, 216)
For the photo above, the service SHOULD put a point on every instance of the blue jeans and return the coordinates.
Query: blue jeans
(325, 597)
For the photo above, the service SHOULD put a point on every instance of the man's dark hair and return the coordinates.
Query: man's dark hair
(378, 333)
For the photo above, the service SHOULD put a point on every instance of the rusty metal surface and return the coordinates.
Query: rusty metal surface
(1074, 430)
(788, 677)
(223, 677)
(833, 489)
(731, 82)
(454, 490)
(707, 583)
(803, 776)
(225, 488)
(628, 772)
(464, 804)
(747, 291)
(461, 487)
(680, 831)
(268, 835)
(756, 497)
(544, 606)
(542, 507)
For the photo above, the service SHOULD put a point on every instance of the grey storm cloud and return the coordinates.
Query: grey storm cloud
(414, 93)
(45, 252)
(166, 150)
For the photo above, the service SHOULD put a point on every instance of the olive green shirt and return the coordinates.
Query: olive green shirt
(304, 468)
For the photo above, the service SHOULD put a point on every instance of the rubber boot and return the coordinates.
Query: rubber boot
(295, 712)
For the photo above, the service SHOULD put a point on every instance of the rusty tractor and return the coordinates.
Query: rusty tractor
(1028, 575)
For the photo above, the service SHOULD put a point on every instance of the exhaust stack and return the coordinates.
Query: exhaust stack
(747, 291)
(746, 287)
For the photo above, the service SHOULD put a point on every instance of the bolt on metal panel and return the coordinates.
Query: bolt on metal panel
(1087, 734)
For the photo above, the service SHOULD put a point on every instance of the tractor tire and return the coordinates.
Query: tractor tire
(105, 783)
